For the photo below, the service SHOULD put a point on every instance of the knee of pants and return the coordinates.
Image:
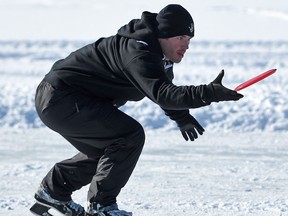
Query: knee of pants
(137, 137)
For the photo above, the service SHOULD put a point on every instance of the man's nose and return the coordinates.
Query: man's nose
(186, 45)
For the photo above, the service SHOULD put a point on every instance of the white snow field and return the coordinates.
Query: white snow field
(238, 167)
(220, 174)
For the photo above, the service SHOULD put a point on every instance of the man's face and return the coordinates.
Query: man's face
(174, 48)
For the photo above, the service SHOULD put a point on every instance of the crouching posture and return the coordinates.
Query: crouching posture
(79, 99)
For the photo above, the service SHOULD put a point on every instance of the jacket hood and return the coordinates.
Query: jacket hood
(141, 29)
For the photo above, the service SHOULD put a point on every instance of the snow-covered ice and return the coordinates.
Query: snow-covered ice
(221, 174)
(240, 164)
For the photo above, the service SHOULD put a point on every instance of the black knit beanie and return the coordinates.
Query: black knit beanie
(174, 20)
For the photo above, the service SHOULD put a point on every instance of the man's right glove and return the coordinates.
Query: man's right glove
(188, 128)
(220, 93)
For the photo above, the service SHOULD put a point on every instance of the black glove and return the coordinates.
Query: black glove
(221, 93)
(188, 128)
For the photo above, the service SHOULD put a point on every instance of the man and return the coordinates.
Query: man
(80, 96)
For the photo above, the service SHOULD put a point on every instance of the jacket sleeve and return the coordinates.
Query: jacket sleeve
(178, 116)
(146, 72)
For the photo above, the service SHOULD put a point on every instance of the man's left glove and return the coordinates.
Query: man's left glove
(188, 128)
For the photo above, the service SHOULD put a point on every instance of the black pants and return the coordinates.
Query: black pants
(110, 143)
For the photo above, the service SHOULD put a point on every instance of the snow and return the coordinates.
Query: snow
(212, 176)
(239, 166)
(220, 20)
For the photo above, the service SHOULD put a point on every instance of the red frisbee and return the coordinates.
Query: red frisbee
(255, 79)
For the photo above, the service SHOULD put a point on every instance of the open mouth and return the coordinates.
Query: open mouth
(181, 53)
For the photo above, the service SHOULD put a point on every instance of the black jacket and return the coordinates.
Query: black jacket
(128, 67)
